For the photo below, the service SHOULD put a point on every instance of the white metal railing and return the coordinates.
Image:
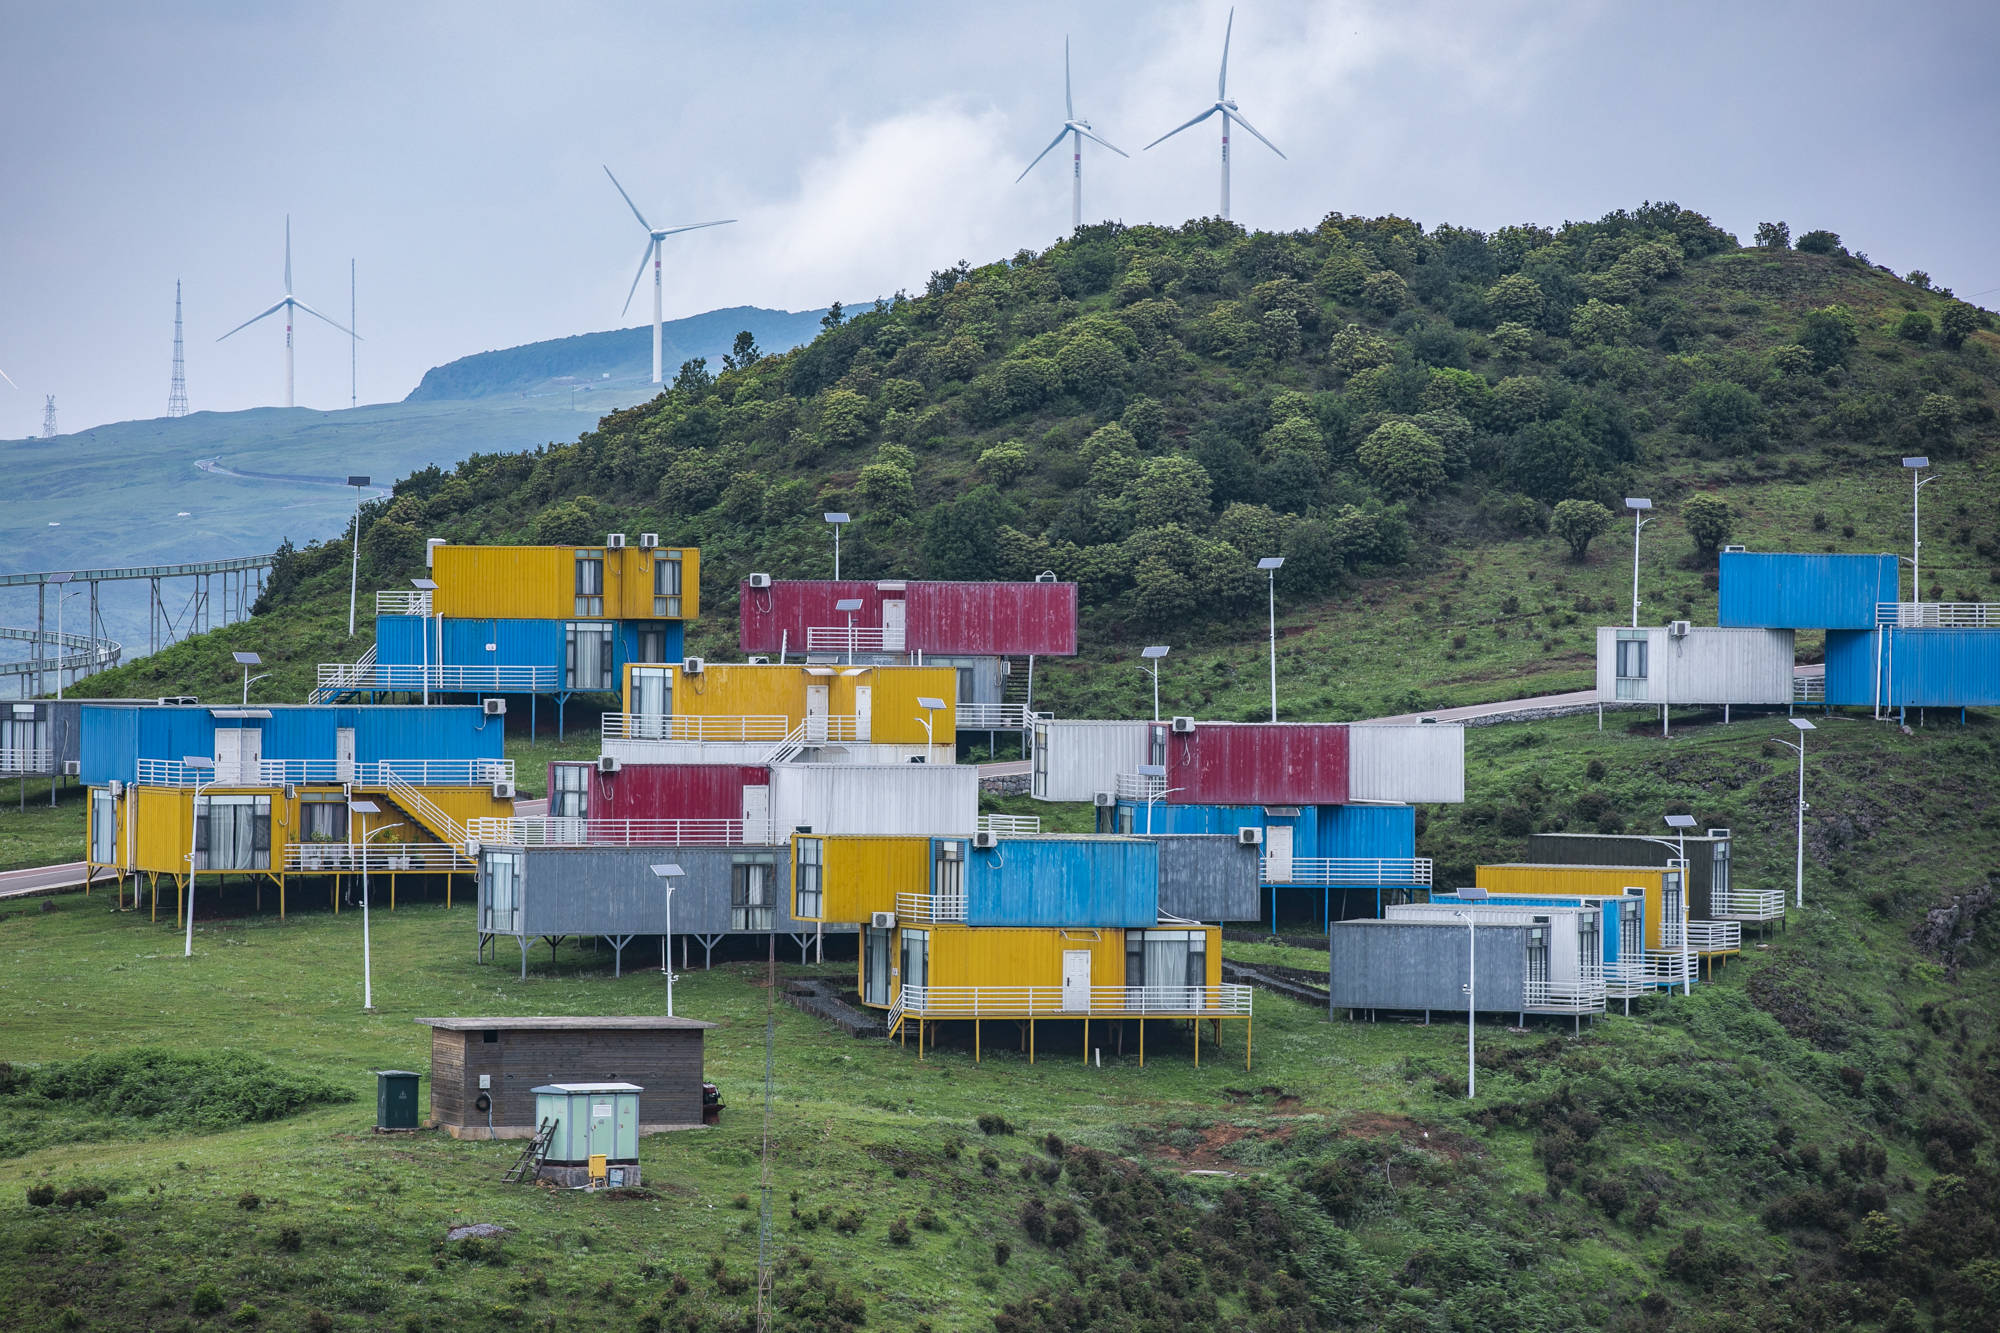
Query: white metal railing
(410, 677)
(1010, 825)
(1715, 936)
(402, 602)
(1937, 615)
(425, 810)
(334, 677)
(752, 728)
(1809, 689)
(277, 772)
(555, 831)
(1357, 871)
(992, 717)
(382, 857)
(1737, 904)
(823, 729)
(853, 638)
(1077, 1002)
(1141, 787)
(1648, 970)
(27, 761)
(924, 908)
(1583, 995)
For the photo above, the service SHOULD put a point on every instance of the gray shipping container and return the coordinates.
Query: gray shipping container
(923, 800)
(1208, 877)
(38, 736)
(1073, 761)
(1708, 860)
(1422, 965)
(1408, 763)
(1703, 666)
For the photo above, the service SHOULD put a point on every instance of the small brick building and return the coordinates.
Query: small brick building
(516, 1055)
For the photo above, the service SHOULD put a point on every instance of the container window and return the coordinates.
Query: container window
(569, 791)
(323, 817)
(1631, 654)
(751, 898)
(806, 895)
(1590, 952)
(1125, 818)
(500, 873)
(949, 884)
(589, 583)
(916, 959)
(1038, 781)
(652, 644)
(667, 584)
(103, 827)
(23, 743)
(967, 686)
(589, 655)
(232, 833)
(489, 1036)
(1166, 964)
(874, 965)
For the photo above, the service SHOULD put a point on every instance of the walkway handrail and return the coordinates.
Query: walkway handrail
(753, 728)
(1350, 871)
(991, 717)
(97, 653)
(410, 677)
(229, 566)
(426, 810)
(1748, 904)
(1583, 995)
(385, 773)
(927, 909)
(382, 857)
(1937, 615)
(857, 638)
(37, 762)
(1141, 787)
(560, 831)
(402, 602)
(1011, 826)
(1232, 1001)
(1715, 936)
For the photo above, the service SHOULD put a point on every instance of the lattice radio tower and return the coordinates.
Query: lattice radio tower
(48, 416)
(177, 396)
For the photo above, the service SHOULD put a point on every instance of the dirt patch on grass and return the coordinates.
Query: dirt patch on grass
(1413, 1134)
(1269, 1098)
(1208, 1147)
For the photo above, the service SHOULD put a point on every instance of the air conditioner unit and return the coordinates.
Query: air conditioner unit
(168, 700)
(986, 841)
(758, 661)
(614, 541)
(503, 791)
(882, 920)
(1679, 629)
(950, 851)
(693, 666)
(472, 848)
(1250, 837)
(1735, 547)
(116, 788)
(1103, 798)
(759, 580)
(608, 763)
(494, 707)
(1183, 726)
(648, 540)
(72, 768)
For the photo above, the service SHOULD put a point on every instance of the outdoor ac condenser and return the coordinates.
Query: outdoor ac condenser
(1183, 726)
(503, 791)
(693, 666)
(608, 763)
(759, 580)
(614, 541)
(494, 707)
(648, 540)
(882, 920)
(1250, 837)
(1102, 799)
(986, 841)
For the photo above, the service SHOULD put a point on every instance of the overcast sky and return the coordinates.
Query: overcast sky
(454, 151)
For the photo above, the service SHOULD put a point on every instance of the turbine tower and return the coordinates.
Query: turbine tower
(177, 393)
(288, 305)
(1229, 113)
(1078, 131)
(654, 235)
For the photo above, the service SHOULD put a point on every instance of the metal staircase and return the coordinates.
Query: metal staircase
(424, 810)
(345, 680)
(529, 1163)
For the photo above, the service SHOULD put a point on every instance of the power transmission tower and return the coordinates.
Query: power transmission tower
(48, 416)
(177, 396)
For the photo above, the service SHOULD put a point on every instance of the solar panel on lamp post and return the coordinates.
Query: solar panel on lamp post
(354, 563)
(1271, 564)
(932, 706)
(836, 521)
(246, 661)
(1153, 655)
(1638, 508)
(848, 606)
(668, 873)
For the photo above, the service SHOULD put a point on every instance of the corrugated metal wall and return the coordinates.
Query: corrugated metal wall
(1565, 927)
(674, 791)
(1703, 666)
(115, 737)
(1001, 619)
(919, 799)
(741, 690)
(613, 891)
(1072, 761)
(1207, 877)
(1372, 831)
(1761, 589)
(1422, 965)
(960, 956)
(1919, 668)
(776, 618)
(1058, 881)
(399, 641)
(1422, 762)
(863, 875)
(1613, 849)
(539, 582)
(1559, 880)
(1265, 763)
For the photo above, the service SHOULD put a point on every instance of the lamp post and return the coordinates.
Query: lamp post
(848, 606)
(1917, 483)
(1153, 656)
(199, 763)
(1161, 793)
(354, 566)
(667, 875)
(1271, 564)
(932, 706)
(62, 596)
(364, 809)
(246, 661)
(428, 587)
(1471, 991)
(1638, 507)
(836, 522)
(1799, 869)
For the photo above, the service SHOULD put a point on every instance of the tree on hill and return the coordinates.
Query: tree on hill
(1774, 236)
(1709, 522)
(1579, 522)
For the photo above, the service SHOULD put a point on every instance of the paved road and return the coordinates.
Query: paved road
(1005, 768)
(41, 879)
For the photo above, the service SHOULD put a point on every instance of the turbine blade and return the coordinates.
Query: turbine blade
(1106, 142)
(1044, 153)
(1069, 103)
(697, 226)
(628, 201)
(336, 323)
(253, 319)
(1185, 125)
(645, 257)
(1237, 116)
(1222, 79)
(4, 376)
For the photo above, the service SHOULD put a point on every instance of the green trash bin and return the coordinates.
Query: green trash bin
(396, 1099)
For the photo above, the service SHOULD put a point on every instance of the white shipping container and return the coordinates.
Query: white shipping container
(1706, 665)
(1073, 760)
(1408, 763)
(936, 800)
(1576, 934)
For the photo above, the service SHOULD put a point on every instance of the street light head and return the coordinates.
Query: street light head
(1155, 652)
(247, 659)
(1152, 770)
(1473, 895)
(1637, 503)
(1680, 821)
(1916, 462)
(930, 704)
(357, 481)
(196, 761)
(835, 519)
(1271, 562)
(364, 807)
(60, 578)
(668, 871)
(1803, 724)
(848, 604)
(424, 585)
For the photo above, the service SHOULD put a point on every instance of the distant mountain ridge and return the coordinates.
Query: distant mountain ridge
(616, 354)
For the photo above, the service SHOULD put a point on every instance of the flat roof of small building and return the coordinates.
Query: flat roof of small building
(611, 1023)
(564, 1089)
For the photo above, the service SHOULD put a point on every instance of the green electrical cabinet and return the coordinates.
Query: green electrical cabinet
(591, 1119)
(396, 1099)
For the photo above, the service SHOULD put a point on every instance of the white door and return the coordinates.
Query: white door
(1277, 853)
(238, 751)
(892, 625)
(1076, 980)
(864, 710)
(343, 754)
(756, 814)
(816, 696)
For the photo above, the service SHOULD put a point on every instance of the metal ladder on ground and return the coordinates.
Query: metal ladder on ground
(530, 1161)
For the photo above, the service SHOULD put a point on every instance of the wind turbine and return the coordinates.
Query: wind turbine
(1229, 113)
(654, 235)
(10, 382)
(1078, 130)
(287, 305)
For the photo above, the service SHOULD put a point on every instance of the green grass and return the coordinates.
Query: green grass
(35, 833)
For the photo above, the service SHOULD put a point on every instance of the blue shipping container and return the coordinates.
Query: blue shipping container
(1914, 668)
(1081, 882)
(399, 641)
(116, 737)
(1332, 831)
(1765, 590)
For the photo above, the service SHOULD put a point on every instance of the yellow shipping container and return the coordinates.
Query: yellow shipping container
(1018, 956)
(854, 877)
(886, 696)
(1663, 888)
(543, 583)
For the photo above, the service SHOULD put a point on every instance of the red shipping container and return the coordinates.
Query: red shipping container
(774, 619)
(674, 791)
(950, 619)
(1257, 763)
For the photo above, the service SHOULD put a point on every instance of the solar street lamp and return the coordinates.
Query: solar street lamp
(1471, 993)
(848, 606)
(1799, 868)
(1638, 508)
(1271, 564)
(359, 484)
(932, 707)
(364, 809)
(836, 522)
(199, 763)
(1917, 483)
(667, 875)
(246, 661)
(1155, 791)
(1153, 656)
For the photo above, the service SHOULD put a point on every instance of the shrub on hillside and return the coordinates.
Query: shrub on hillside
(191, 1090)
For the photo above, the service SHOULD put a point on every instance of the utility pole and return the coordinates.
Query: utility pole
(177, 393)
